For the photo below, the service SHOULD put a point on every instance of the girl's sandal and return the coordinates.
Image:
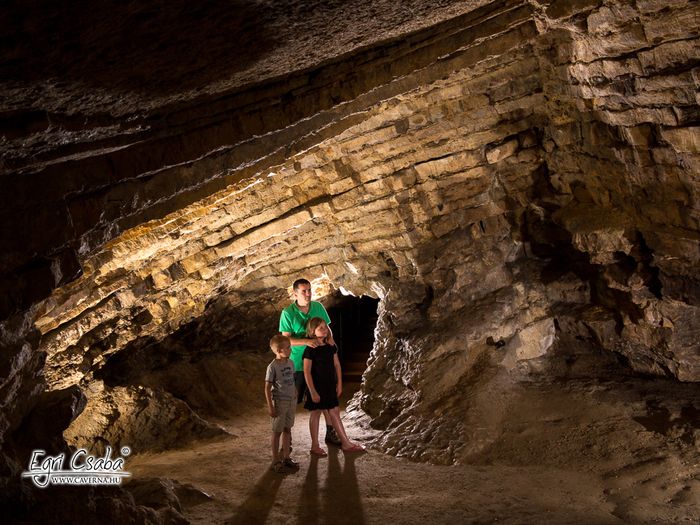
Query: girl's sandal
(318, 452)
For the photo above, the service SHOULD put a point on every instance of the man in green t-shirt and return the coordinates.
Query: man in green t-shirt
(293, 324)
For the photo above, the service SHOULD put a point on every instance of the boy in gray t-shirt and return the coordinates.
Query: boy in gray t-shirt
(281, 396)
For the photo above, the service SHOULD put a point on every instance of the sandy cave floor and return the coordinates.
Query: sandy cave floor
(653, 481)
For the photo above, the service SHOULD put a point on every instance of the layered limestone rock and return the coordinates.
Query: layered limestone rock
(517, 185)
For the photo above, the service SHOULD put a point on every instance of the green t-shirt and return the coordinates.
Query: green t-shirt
(294, 321)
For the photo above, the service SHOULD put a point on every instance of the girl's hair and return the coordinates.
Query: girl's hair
(311, 326)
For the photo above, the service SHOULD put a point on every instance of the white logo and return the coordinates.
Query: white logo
(83, 468)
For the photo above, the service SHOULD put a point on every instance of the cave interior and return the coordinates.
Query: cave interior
(498, 202)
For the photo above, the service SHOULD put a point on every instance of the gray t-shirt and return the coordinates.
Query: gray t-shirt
(281, 374)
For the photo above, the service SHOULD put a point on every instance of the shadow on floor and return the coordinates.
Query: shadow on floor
(338, 500)
(259, 502)
(333, 498)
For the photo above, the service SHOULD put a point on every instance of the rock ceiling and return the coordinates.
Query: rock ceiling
(511, 172)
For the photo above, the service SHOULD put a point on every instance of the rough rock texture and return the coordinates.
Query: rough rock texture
(160, 493)
(88, 505)
(214, 385)
(137, 417)
(506, 180)
(53, 412)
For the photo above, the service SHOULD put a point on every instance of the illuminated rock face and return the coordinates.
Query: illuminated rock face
(505, 182)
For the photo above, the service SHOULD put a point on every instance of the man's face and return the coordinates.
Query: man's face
(303, 294)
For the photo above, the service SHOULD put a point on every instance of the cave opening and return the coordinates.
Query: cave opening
(353, 320)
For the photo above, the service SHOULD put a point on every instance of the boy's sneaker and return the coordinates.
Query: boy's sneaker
(289, 462)
(279, 467)
(332, 437)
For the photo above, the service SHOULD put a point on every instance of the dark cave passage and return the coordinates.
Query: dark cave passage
(353, 320)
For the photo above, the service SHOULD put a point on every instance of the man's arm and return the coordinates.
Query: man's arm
(296, 341)
(268, 396)
(285, 325)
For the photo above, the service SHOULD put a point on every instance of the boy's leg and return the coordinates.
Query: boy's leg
(287, 436)
(286, 440)
(275, 447)
(289, 414)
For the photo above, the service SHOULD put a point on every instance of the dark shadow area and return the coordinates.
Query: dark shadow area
(353, 320)
(660, 420)
(309, 502)
(257, 505)
(338, 501)
(343, 503)
(152, 46)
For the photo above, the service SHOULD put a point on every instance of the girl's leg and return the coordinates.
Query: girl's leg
(313, 429)
(345, 443)
(326, 416)
(275, 446)
(334, 414)
(331, 435)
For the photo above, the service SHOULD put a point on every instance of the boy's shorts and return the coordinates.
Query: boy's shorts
(285, 414)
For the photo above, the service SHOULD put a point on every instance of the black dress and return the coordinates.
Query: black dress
(323, 375)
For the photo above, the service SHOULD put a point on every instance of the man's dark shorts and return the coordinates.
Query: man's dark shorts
(300, 384)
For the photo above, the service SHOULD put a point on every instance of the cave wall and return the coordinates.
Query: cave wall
(508, 172)
(622, 148)
(617, 190)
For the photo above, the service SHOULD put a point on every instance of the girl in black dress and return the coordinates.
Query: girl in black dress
(325, 384)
